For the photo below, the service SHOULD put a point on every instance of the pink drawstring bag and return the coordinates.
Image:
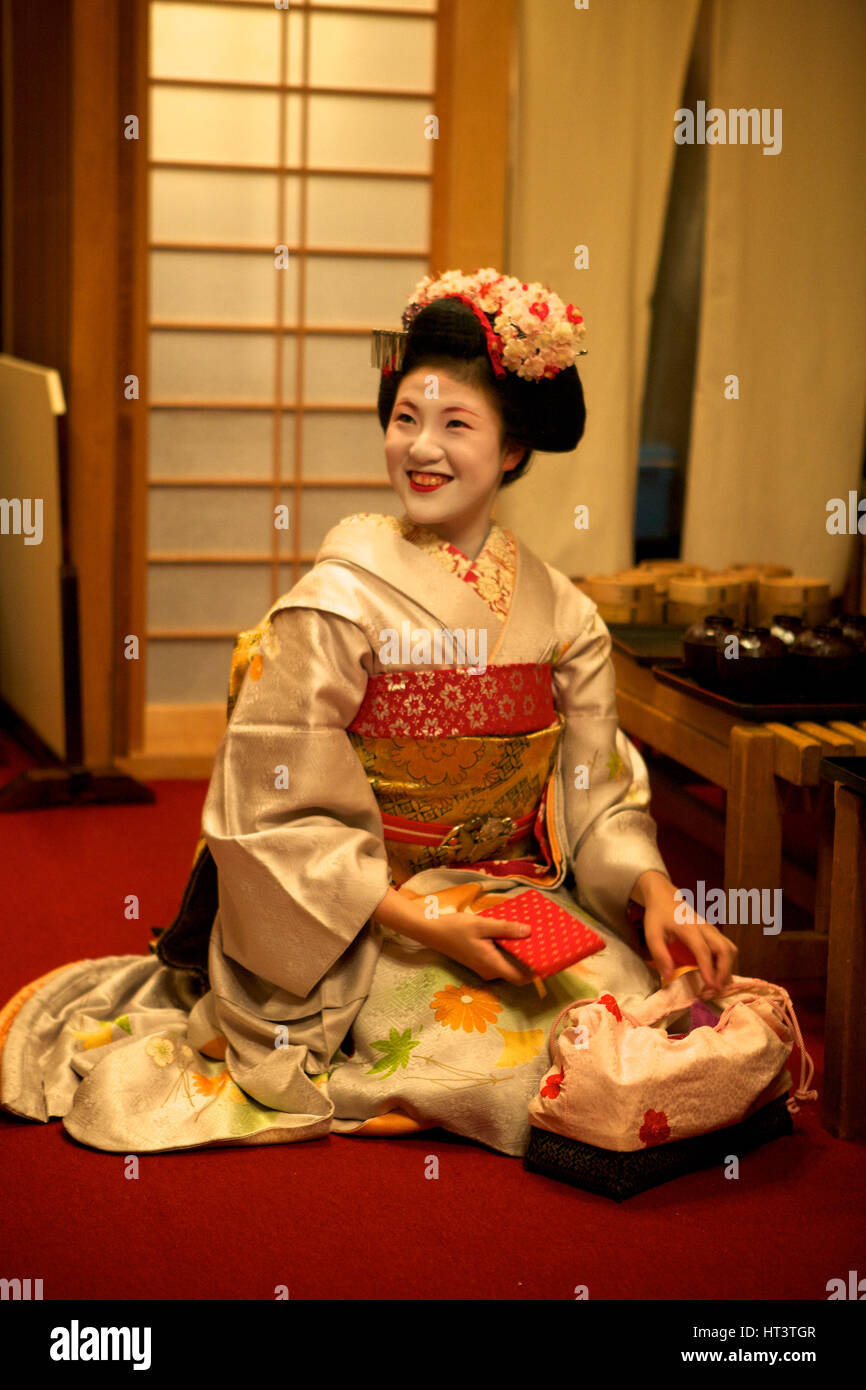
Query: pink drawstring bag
(619, 1082)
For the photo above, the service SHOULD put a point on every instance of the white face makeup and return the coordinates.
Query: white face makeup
(445, 457)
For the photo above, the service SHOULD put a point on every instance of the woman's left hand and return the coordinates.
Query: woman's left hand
(715, 954)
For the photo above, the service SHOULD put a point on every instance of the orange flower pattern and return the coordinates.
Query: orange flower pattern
(464, 1007)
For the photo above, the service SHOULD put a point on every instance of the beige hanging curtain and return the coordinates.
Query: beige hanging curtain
(784, 292)
(593, 151)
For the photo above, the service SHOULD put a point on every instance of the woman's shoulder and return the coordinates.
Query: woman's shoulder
(334, 585)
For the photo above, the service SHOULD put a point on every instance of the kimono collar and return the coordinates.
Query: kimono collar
(491, 573)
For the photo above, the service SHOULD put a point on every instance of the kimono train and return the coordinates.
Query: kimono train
(361, 755)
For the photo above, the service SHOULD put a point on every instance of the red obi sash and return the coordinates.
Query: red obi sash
(453, 702)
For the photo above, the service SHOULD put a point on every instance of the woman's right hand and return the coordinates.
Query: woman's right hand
(463, 936)
(466, 938)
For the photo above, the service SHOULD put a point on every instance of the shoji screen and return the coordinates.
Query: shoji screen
(300, 128)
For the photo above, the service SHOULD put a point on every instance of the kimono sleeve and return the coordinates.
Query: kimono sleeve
(290, 817)
(611, 835)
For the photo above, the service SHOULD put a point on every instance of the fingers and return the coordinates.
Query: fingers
(503, 966)
(661, 955)
(487, 926)
(715, 955)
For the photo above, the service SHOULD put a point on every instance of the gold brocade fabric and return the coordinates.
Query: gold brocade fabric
(448, 780)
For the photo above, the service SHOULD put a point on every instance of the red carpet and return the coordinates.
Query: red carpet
(348, 1218)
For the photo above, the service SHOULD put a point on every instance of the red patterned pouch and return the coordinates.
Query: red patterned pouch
(558, 939)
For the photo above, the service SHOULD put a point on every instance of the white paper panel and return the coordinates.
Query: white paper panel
(339, 370)
(369, 133)
(371, 51)
(222, 127)
(214, 41)
(322, 508)
(348, 291)
(198, 520)
(207, 596)
(217, 366)
(207, 443)
(194, 672)
(211, 286)
(201, 205)
(392, 213)
(345, 444)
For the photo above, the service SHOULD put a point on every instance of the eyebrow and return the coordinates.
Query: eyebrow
(407, 400)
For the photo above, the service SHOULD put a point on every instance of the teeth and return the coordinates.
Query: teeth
(429, 477)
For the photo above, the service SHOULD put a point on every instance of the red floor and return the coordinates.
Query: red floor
(348, 1218)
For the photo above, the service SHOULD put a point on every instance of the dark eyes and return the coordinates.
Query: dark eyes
(404, 416)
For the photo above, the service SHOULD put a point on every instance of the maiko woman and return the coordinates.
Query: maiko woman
(367, 803)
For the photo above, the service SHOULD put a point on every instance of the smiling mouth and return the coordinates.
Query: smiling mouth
(423, 479)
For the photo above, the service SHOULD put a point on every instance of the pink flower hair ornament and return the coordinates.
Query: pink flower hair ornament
(536, 334)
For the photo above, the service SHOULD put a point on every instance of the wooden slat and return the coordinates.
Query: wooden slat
(845, 1050)
(796, 756)
(219, 480)
(688, 746)
(167, 767)
(131, 498)
(792, 955)
(855, 734)
(835, 745)
(219, 557)
(715, 723)
(314, 170)
(251, 248)
(475, 50)
(198, 403)
(194, 729)
(310, 330)
(229, 84)
(278, 422)
(94, 371)
(824, 868)
(190, 634)
(753, 837)
(633, 678)
(385, 11)
(676, 806)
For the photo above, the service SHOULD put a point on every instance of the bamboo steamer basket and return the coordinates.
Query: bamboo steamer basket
(751, 576)
(741, 593)
(667, 568)
(766, 571)
(694, 598)
(803, 596)
(628, 596)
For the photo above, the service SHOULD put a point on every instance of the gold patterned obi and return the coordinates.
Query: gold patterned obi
(459, 763)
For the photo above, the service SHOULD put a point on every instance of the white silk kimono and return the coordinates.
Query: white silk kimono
(356, 760)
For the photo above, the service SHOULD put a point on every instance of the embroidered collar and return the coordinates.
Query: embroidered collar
(491, 574)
